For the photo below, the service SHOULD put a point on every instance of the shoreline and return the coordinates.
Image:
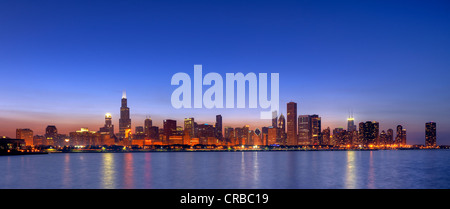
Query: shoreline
(22, 153)
(221, 150)
(197, 150)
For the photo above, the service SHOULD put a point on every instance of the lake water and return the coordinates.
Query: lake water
(391, 169)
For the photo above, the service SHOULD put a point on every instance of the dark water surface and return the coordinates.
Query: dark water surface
(391, 169)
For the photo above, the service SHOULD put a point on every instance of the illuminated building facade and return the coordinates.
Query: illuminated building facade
(108, 128)
(25, 134)
(390, 136)
(153, 133)
(376, 132)
(326, 136)
(251, 138)
(147, 126)
(189, 126)
(51, 134)
(404, 136)
(351, 124)
(304, 130)
(430, 134)
(39, 140)
(245, 135)
(339, 137)
(139, 132)
(170, 129)
(400, 139)
(264, 135)
(273, 134)
(292, 123)
(125, 120)
(282, 132)
(369, 132)
(383, 138)
(238, 133)
(7, 144)
(218, 127)
(205, 133)
(229, 135)
(316, 127)
(85, 137)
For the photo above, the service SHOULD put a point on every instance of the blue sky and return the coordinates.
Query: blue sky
(67, 62)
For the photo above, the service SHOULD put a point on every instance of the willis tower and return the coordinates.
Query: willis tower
(124, 121)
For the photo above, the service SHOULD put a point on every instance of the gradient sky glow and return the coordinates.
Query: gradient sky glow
(66, 63)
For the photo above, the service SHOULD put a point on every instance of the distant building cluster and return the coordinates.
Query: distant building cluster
(292, 130)
(307, 130)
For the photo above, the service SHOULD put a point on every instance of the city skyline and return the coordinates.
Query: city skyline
(65, 62)
(289, 133)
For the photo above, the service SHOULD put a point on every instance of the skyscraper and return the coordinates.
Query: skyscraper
(383, 140)
(108, 128)
(51, 134)
(404, 137)
(257, 137)
(108, 120)
(170, 128)
(376, 132)
(229, 135)
(272, 136)
(304, 129)
(218, 127)
(351, 124)
(292, 123)
(339, 137)
(390, 136)
(147, 126)
(25, 134)
(264, 135)
(400, 139)
(189, 126)
(430, 134)
(274, 119)
(316, 127)
(326, 136)
(369, 132)
(238, 133)
(245, 134)
(205, 133)
(282, 132)
(124, 120)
